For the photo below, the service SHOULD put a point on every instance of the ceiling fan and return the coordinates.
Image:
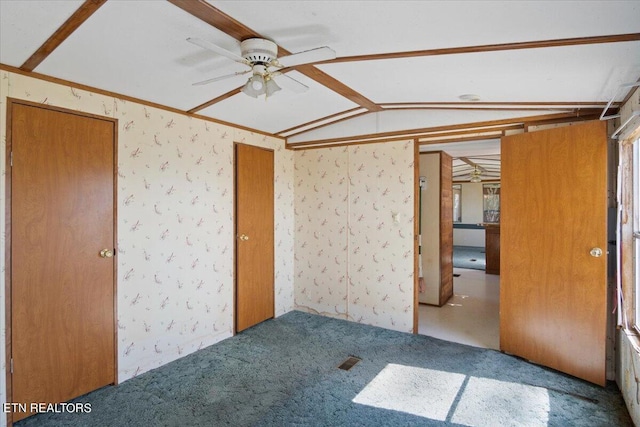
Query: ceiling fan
(475, 174)
(261, 56)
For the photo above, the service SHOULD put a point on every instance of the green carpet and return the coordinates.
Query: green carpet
(283, 372)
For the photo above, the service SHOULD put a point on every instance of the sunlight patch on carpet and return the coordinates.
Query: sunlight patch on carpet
(417, 391)
(487, 403)
(439, 395)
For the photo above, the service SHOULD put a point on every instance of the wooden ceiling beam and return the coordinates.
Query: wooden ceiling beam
(225, 23)
(307, 125)
(338, 87)
(478, 127)
(615, 38)
(216, 18)
(475, 127)
(70, 25)
(472, 164)
(215, 100)
(594, 104)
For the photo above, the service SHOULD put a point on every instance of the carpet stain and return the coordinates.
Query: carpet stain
(349, 363)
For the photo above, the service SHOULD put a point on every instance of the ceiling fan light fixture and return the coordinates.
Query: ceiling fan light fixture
(271, 87)
(261, 56)
(255, 86)
(475, 175)
(256, 83)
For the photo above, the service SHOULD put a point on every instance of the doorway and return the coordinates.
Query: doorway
(471, 315)
(61, 332)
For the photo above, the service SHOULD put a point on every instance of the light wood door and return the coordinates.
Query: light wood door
(62, 290)
(554, 207)
(254, 236)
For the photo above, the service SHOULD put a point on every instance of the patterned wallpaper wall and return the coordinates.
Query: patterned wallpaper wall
(354, 250)
(175, 227)
(175, 223)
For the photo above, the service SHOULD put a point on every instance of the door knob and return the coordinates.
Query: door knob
(106, 253)
(243, 237)
(596, 252)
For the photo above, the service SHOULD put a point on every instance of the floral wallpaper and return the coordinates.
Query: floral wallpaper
(175, 223)
(343, 227)
(354, 209)
(321, 220)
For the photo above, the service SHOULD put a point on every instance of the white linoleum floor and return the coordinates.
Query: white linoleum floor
(471, 316)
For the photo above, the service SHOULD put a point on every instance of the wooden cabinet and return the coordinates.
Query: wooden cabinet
(492, 248)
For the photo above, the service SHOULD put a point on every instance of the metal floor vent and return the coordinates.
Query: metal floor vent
(349, 363)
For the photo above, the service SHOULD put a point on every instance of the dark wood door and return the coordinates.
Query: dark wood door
(254, 236)
(553, 223)
(62, 289)
(446, 228)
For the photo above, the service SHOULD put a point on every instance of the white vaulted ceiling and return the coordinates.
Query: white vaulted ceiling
(400, 69)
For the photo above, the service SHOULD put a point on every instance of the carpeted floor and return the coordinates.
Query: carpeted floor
(471, 257)
(283, 372)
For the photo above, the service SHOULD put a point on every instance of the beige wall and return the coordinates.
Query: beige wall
(628, 369)
(354, 250)
(472, 205)
(175, 223)
(430, 168)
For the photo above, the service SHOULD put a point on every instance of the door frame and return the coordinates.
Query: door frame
(8, 246)
(235, 232)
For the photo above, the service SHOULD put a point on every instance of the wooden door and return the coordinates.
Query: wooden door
(446, 228)
(62, 290)
(437, 228)
(552, 289)
(254, 236)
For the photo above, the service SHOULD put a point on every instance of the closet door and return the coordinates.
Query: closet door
(62, 247)
(254, 236)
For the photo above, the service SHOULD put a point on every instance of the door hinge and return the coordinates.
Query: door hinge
(11, 365)
(11, 159)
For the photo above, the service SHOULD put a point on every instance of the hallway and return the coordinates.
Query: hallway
(471, 316)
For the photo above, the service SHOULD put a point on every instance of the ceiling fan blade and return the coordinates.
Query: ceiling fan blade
(216, 79)
(290, 83)
(308, 56)
(217, 49)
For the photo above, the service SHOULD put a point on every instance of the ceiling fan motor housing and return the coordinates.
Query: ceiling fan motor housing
(259, 51)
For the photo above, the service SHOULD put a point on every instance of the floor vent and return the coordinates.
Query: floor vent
(349, 363)
(456, 275)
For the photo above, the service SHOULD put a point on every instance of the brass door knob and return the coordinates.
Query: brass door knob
(106, 253)
(596, 252)
(243, 237)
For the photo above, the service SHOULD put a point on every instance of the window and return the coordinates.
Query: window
(491, 203)
(457, 202)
